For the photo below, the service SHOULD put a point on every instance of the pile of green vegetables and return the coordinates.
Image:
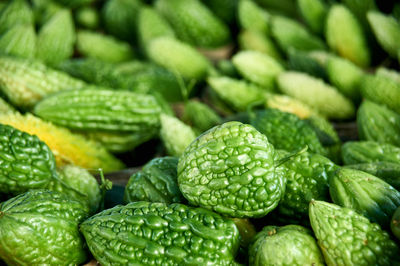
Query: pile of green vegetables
(229, 107)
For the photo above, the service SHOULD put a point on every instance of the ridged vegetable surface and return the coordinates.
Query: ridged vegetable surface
(41, 227)
(19, 40)
(387, 171)
(15, 12)
(194, 23)
(378, 123)
(286, 131)
(369, 151)
(25, 82)
(230, 169)
(157, 182)
(359, 242)
(25, 162)
(286, 245)
(382, 90)
(366, 194)
(316, 93)
(67, 147)
(156, 233)
(100, 109)
(307, 179)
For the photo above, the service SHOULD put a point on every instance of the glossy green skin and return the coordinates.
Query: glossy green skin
(387, 171)
(286, 131)
(41, 227)
(307, 179)
(25, 82)
(354, 152)
(286, 245)
(159, 234)
(25, 162)
(101, 109)
(230, 169)
(348, 238)
(395, 223)
(366, 194)
(78, 184)
(200, 116)
(157, 182)
(377, 123)
(194, 23)
(246, 229)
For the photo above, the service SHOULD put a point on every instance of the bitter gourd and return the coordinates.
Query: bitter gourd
(25, 161)
(160, 234)
(345, 36)
(25, 82)
(68, 148)
(200, 115)
(19, 40)
(378, 123)
(286, 131)
(194, 23)
(286, 245)
(381, 90)
(359, 242)
(41, 227)
(307, 179)
(256, 41)
(314, 14)
(230, 169)
(87, 17)
(369, 151)
(101, 109)
(14, 13)
(253, 17)
(157, 182)
(387, 171)
(366, 194)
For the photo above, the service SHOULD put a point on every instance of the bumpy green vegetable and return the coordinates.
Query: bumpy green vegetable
(104, 47)
(5, 107)
(178, 57)
(200, 115)
(346, 76)
(120, 18)
(238, 94)
(382, 90)
(152, 25)
(258, 68)
(290, 34)
(230, 169)
(286, 245)
(317, 94)
(388, 73)
(314, 13)
(25, 163)
(25, 82)
(44, 223)
(286, 131)
(224, 9)
(360, 10)
(100, 109)
(387, 171)
(377, 123)
(368, 151)
(87, 17)
(79, 184)
(395, 223)
(156, 233)
(345, 36)
(175, 135)
(307, 179)
(56, 38)
(194, 23)
(256, 41)
(15, 12)
(360, 242)
(387, 31)
(303, 62)
(366, 194)
(19, 40)
(253, 17)
(44, 9)
(157, 182)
